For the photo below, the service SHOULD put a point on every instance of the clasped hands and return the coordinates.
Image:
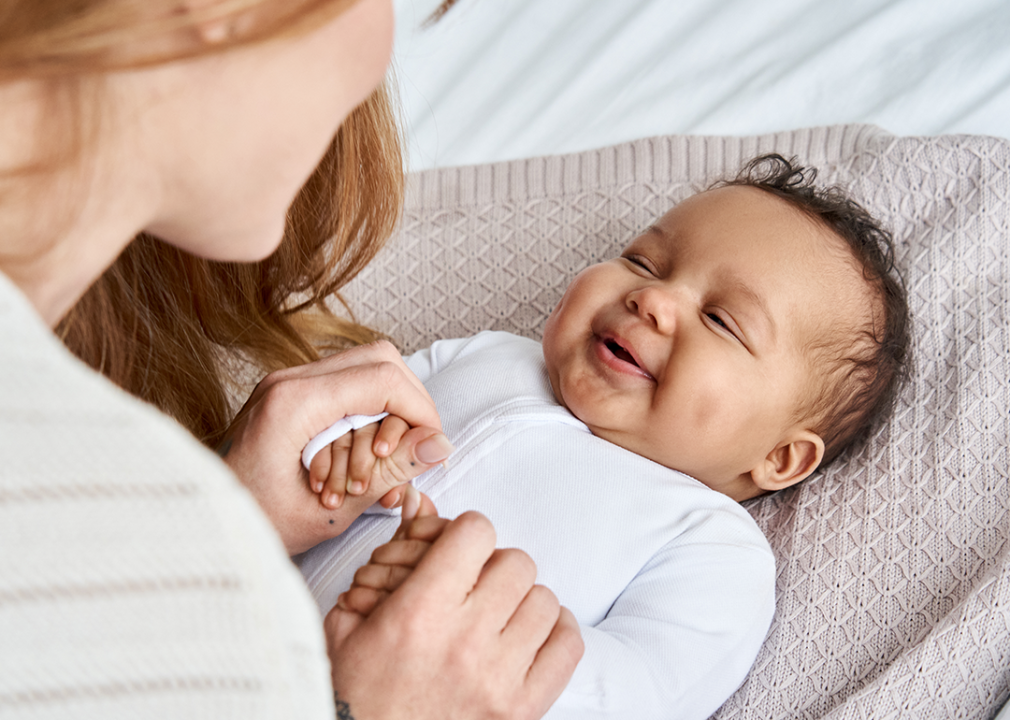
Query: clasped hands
(439, 623)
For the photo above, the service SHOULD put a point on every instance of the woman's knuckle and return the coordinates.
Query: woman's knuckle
(519, 565)
(387, 372)
(477, 527)
(414, 629)
(544, 601)
(271, 378)
(282, 389)
(526, 566)
(386, 348)
(275, 401)
(573, 643)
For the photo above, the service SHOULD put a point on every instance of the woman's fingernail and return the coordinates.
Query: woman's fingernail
(355, 487)
(434, 450)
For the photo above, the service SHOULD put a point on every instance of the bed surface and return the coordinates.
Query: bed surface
(893, 584)
(505, 79)
(894, 565)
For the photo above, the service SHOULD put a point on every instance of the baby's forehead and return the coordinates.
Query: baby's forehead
(845, 309)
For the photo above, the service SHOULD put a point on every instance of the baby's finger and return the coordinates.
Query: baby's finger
(341, 622)
(388, 437)
(381, 577)
(427, 528)
(336, 482)
(419, 450)
(394, 498)
(421, 504)
(415, 505)
(361, 462)
(407, 553)
(361, 600)
(319, 470)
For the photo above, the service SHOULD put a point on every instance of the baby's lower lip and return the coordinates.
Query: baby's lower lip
(612, 361)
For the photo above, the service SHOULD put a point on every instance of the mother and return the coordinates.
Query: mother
(149, 155)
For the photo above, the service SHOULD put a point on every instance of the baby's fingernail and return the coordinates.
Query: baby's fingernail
(331, 500)
(355, 487)
(382, 449)
(434, 450)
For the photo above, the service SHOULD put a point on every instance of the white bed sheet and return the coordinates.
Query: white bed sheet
(505, 79)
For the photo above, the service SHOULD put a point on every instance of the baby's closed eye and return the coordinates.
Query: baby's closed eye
(723, 324)
(639, 262)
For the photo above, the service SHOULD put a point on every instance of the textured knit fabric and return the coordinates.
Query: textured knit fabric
(894, 564)
(137, 578)
(672, 582)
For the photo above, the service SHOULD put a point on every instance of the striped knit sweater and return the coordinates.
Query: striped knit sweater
(138, 579)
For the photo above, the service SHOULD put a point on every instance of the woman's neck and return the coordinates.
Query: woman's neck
(56, 247)
(60, 229)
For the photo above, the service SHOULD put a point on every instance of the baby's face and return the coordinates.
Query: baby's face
(692, 348)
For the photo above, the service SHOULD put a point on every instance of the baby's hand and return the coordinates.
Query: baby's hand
(393, 562)
(352, 462)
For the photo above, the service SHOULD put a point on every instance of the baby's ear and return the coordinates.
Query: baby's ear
(791, 461)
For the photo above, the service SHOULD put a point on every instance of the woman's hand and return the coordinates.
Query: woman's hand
(291, 406)
(465, 634)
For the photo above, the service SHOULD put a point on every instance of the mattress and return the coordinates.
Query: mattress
(505, 79)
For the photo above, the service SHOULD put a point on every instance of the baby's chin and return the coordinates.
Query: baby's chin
(556, 392)
(552, 372)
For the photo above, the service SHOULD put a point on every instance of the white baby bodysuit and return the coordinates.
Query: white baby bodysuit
(671, 582)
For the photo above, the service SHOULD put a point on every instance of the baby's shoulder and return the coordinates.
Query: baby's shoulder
(490, 365)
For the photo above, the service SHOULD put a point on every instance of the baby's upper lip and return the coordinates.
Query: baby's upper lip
(629, 348)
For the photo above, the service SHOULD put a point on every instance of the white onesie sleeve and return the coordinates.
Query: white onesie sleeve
(692, 609)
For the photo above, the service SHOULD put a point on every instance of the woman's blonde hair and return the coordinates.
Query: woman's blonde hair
(162, 323)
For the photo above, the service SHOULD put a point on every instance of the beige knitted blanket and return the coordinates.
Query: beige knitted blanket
(894, 565)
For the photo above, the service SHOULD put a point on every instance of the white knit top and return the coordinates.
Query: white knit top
(138, 579)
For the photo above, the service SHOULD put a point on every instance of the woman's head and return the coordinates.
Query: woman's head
(225, 106)
(258, 120)
(233, 104)
(55, 38)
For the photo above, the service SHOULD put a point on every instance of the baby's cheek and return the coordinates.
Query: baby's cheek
(709, 414)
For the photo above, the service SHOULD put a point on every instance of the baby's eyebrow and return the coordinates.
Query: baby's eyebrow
(738, 286)
(656, 230)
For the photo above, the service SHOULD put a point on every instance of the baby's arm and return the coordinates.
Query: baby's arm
(679, 639)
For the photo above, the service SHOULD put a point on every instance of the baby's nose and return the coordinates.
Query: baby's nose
(657, 305)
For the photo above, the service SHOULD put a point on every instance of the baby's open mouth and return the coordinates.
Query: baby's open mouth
(620, 352)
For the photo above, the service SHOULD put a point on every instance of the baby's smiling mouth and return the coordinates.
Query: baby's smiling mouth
(617, 357)
(620, 353)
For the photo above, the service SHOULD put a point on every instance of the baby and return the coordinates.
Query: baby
(745, 339)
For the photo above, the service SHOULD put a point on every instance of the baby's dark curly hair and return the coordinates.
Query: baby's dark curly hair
(864, 373)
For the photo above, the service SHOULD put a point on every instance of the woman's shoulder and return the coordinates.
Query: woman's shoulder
(161, 563)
